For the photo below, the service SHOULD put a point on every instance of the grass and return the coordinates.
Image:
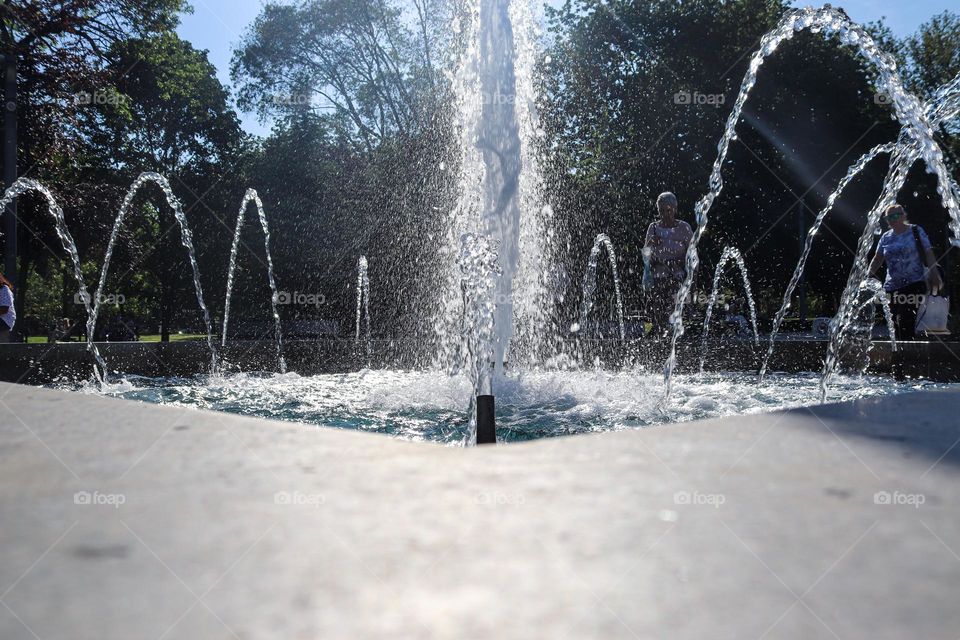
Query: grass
(174, 337)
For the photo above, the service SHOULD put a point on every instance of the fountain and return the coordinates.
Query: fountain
(363, 306)
(186, 238)
(590, 284)
(24, 185)
(481, 270)
(729, 254)
(494, 316)
(251, 196)
(944, 106)
(914, 117)
(857, 343)
(852, 173)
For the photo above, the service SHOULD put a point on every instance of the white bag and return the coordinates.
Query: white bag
(933, 314)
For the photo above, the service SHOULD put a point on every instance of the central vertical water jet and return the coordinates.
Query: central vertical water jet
(498, 184)
(498, 141)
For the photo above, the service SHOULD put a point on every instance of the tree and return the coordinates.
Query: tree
(353, 59)
(62, 47)
(933, 53)
(171, 115)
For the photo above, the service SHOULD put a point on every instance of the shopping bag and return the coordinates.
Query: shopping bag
(933, 314)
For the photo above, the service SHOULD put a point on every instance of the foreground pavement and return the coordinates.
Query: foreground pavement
(123, 520)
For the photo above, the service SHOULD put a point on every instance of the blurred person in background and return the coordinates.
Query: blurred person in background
(912, 269)
(7, 311)
(664, 253)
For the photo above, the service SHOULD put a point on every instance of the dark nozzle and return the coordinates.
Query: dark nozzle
(486, 421)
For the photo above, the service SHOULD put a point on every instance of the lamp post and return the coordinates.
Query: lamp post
(10, 163)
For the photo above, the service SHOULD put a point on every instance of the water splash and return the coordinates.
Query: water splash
(944, 105)
(859, 339)
(480, 270)
(900, 163)
(590, 283)
(854, 170)
(535, 279)
(363, 306)
(907, 108)
(251, 196)
(24, 185)
(499, 183)
(729, 254)
(186, 237)
(880, 297)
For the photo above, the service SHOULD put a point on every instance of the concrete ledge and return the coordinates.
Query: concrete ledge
(745, 527)
(43, 364)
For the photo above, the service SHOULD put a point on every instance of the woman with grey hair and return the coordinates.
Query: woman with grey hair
(664, 255)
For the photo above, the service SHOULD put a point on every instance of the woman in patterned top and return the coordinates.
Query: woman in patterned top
(911, 269)
(665, 250)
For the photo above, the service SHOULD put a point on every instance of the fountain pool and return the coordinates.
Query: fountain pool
(429, 405)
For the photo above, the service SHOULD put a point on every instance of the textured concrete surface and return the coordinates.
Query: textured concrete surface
(121, 520)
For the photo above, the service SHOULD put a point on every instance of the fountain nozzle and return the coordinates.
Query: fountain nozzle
(486, 420)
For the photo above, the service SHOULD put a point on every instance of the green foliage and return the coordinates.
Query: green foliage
(174, 114)
(357, 61)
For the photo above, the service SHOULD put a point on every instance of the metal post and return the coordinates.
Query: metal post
(486, 421)
(10, 164)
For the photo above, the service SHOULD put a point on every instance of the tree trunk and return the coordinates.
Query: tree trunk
(65, 296)
(26, 258)
(164, 316)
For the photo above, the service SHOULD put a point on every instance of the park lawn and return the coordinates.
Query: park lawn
(174, 337)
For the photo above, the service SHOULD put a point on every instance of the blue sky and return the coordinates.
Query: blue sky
(217, 25)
